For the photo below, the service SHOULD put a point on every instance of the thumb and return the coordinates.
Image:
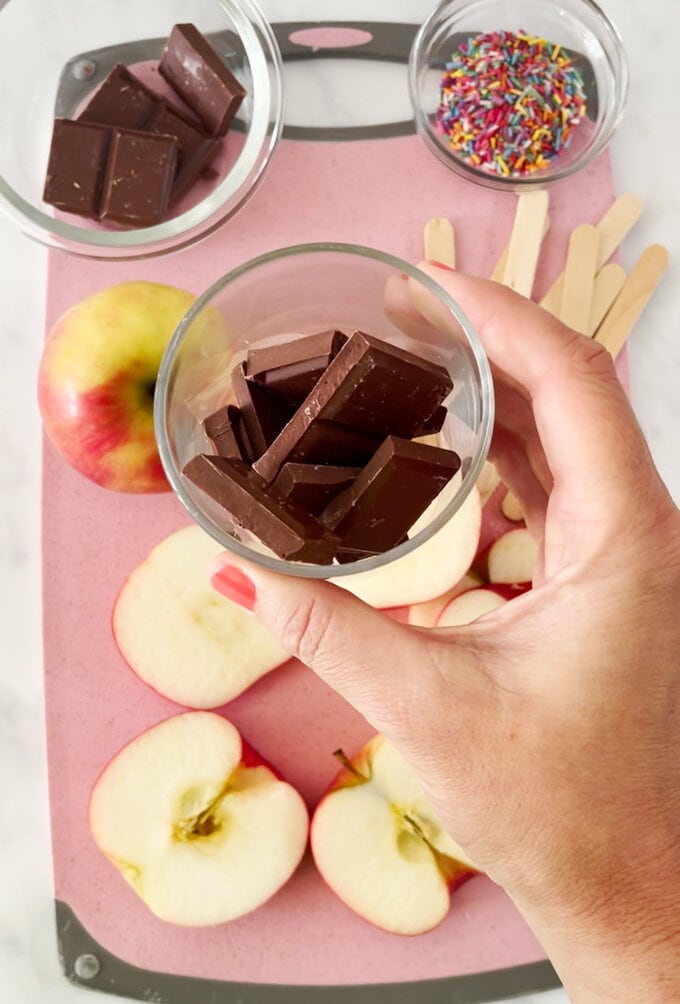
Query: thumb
(386, 670)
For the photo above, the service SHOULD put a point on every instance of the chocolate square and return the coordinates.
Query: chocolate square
(76, 167)
(195, 149)
(202, 80)
(139, 178)
(121, 101)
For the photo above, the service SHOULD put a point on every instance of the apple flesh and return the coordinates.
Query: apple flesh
(203, 830)
(96, 382)
(512, 509)
(427, 614)
(180, 636)
(380, 847)
(432, 568)
(511, 558)
(467, 607)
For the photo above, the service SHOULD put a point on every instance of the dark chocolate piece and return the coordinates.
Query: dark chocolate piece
(139, 177)
(263, 414)
(76, 168)
(121, 101)
(321, 443)
(224, 429)
(434, 422)
(201, 79)
(370, 386)
(312, 486)
(292, 368)
(389, 495)
(195, 149)
(289, 532)
(344, 555)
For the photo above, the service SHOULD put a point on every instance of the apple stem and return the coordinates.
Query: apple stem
(348, 765)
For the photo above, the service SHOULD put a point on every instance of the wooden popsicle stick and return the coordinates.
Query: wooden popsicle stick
(497, 274)
(525, 242)
(440, 242)
(579, 277)
(630, 302)
(613, 227)
(606, 288)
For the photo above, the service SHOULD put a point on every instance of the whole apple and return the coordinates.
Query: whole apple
(96, 382)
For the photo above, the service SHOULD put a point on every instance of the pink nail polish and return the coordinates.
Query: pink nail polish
(231, 582)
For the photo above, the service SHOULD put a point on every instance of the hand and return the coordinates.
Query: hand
(547, 733)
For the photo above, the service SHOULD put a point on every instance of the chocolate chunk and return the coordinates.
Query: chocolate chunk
(344, 555)
(75, 172)
(195, 149)
(263, 414)
(201, 79)
(312, 486)
(139, 176)
(434, 422)
(121, 101)
(292, 368)
(289, 532)
(369, 386)
(389, 495)
(224, 429)
(320, 443)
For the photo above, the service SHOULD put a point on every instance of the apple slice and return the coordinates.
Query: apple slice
(426, 614)
(488, 481)
(202, 829)
(428, 571)
(468, 606)
(183, 639)
(511, 507)
(511, 557)
(380, 847)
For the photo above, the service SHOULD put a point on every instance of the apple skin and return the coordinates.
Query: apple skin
(96, 381)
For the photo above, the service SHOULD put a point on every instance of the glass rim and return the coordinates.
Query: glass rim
(620, 73)
(263, 54)
(306, 569)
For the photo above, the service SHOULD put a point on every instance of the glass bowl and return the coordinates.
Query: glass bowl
(50, 65)
(304, 290)
(578, 27)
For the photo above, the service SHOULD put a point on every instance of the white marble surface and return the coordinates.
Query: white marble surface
(646, 154)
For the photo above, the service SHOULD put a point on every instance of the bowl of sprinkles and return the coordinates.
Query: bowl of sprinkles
(514, 94)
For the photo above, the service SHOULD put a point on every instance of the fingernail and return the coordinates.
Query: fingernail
(440, 264)
(231, 582)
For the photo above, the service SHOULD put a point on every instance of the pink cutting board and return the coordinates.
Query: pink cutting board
(375, 192)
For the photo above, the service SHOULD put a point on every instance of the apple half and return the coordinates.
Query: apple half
(202, 828)
(181, 637)
(380, 847)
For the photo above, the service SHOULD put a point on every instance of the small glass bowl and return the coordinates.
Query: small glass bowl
(303, 290)
(50, 65)
(578, 26)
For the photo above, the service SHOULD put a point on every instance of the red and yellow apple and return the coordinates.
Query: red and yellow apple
(201, 827)
(379, 845)
(96, 382)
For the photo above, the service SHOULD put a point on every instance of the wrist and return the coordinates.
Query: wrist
(622, 945)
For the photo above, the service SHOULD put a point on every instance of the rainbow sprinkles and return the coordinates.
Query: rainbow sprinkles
(510, 102)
